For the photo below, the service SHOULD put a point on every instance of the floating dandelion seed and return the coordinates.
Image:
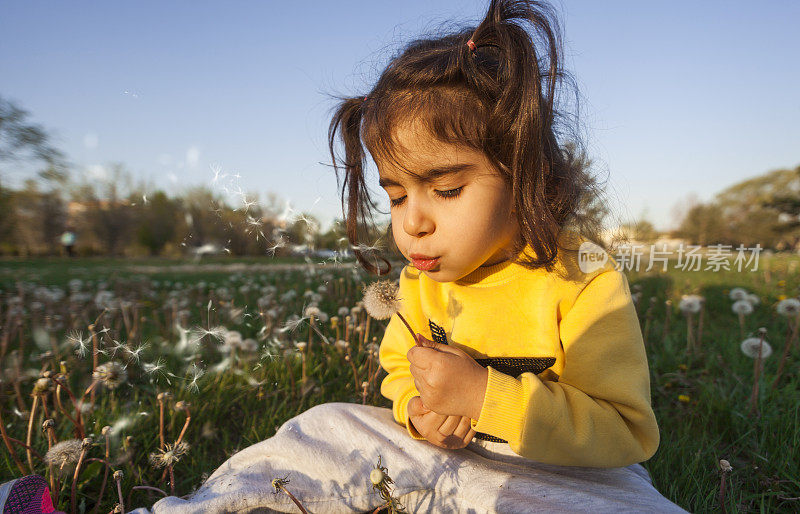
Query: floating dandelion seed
(82, 345)
(292, 324)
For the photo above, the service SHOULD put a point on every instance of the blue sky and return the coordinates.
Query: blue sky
(679, 98)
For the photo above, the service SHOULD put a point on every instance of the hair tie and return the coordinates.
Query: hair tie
(365, 98)
(471, 45)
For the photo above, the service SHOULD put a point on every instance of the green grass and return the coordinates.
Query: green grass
(247, 402)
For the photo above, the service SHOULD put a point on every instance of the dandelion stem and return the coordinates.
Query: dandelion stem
(279, 484)
(30, 430)
(741, 325)
(171, 480)
(185, 426)
(149, 488)
(413, 335)
(95, 357)
(791, 334)
(161, 422)
(105, 476)
(74, 490)
(77, 419)
(667, 319)
(756, 376)
(699, 340)
(352, 366)
(118, 480)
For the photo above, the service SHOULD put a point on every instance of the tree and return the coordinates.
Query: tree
(788, 208)
(745, 213)
(704, 225)
(20, 138)
(157, 221)
(108, 212)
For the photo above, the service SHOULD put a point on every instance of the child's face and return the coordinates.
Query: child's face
(469, 229)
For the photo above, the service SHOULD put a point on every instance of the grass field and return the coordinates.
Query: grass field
(158, 327)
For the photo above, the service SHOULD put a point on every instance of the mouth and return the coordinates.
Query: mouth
(424, 263)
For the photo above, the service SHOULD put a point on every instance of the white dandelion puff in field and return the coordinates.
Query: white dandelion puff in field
(751, 345)
(690, 304)
(738, 293)
(381, 299)
(111, 374)
(753, 299)
(742, 307)
(789, 307)
(64, 453)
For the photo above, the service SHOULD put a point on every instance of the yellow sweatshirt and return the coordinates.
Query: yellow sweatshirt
(568, 377)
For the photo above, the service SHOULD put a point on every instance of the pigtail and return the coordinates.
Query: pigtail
(346, 123)
(521, 84)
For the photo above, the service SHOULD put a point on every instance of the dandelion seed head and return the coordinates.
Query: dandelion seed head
(64, 453)
(790, 307)
(750, 347)
(742, 307)
(690, 304)
(738, 293)
(381, 300)
(111, 374)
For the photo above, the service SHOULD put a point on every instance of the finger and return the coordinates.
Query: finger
(463, 428)
(435, 420)
(470, 436)
(415, 406)
(449, 425)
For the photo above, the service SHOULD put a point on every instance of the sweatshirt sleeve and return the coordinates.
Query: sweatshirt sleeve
(598, 413)
(398, 385)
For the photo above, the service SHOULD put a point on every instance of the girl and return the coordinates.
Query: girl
(527, 387)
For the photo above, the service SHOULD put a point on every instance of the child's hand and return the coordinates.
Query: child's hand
(449, 381)
(449, 432)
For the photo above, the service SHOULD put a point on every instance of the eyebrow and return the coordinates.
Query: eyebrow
(431, 174)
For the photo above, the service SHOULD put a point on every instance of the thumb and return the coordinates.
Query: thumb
(427, 343)
(416, 407)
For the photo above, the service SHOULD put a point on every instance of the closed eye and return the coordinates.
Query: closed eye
(449, 194)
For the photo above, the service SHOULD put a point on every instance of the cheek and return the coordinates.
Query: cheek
(398, 233)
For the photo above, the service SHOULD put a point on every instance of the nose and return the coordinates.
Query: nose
(417, 220)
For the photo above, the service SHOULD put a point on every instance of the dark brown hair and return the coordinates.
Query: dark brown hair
(498, 95)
